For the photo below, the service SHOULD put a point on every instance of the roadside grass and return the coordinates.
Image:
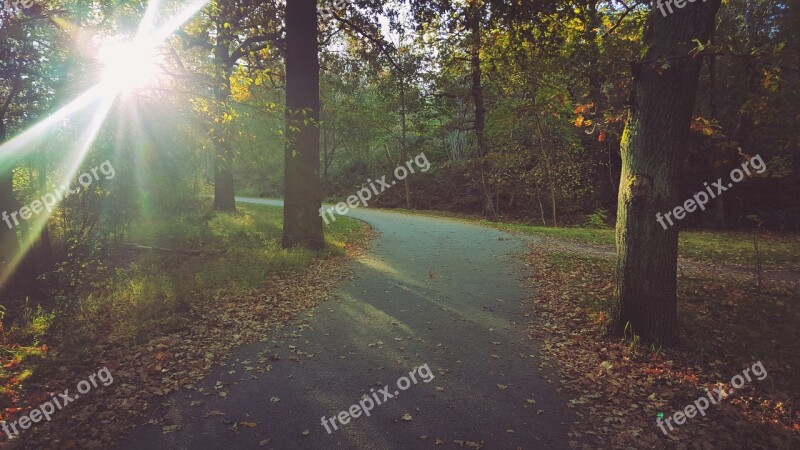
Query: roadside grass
(598, 236)
(193, 260)
(777, 250)
(239, 251)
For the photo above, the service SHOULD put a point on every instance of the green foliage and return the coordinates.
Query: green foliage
(597, 219)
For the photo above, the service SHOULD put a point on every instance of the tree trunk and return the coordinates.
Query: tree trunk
(404, 127)
(653, 151)
(224, 192)
(45, 248)
(541, 208)
(548, 169)
(9, 242)
(602, 153)
(329, 146)
(475, 15)
(302, 224)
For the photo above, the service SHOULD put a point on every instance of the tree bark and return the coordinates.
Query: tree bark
(302, 223)
(603, 153)
(9, 242)
(548, 169)
(330, 144)
(541, 208)
(475, 15)
(224, 192)
(404, 131)
(45, 247)
(653, 151)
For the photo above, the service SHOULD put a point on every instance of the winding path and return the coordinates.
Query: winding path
(430, 291)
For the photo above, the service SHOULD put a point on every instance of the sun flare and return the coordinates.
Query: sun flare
(129, 65)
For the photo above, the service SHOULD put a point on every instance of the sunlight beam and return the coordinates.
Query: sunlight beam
(24, 143)
(33, 229)
(106, 91)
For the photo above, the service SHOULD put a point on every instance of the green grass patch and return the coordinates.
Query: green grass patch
(154, 290)
(602, 236)
(777, 250)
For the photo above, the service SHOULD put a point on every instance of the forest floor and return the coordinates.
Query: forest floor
(159, 315)
(727, 324)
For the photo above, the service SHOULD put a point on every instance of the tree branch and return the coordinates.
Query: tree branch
(628, 9)
(378, 42)
(263, 40)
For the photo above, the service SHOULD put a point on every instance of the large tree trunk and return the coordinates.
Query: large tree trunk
(224, 192)
(302, 224)
(653, 151)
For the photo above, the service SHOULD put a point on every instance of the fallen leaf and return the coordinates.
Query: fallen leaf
(170, 429)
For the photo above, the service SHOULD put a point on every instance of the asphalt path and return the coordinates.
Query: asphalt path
(434, 293)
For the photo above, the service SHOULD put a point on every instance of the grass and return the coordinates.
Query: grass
(601, 236)
(150, 293)
(241, 249)
(777, 250)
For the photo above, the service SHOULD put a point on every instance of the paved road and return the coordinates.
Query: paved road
(432, 292)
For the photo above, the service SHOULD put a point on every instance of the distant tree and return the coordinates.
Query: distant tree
(230, 32)
(27, 81)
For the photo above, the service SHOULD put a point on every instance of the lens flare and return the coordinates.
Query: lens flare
(128, 66)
